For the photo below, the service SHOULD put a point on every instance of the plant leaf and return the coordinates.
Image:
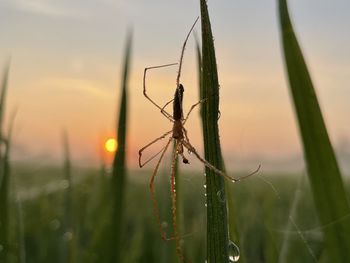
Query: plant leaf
(217, 225)
(323, 171)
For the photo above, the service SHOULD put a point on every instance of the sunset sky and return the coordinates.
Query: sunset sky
(66, 72)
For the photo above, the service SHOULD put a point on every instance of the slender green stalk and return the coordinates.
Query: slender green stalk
(179, 207)
(3, 99)
(68, 206)
(4, 173)
(233, 231)
(323, 171)
(119, 163)
(217, 224)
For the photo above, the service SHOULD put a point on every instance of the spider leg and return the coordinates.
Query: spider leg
(166, 114)
(148, 145)
(166, 104)
(154, 200)
(186, 143)
(173, 204)
(182, 53)
(192, 107)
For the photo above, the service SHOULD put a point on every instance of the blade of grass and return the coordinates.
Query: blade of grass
(233, 231)
(217, 223)
(3, 99)
(119, 162)
(68, 228)
(179, 209)
(323, 171)
(4, 172)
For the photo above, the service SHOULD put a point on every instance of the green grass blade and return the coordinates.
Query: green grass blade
(179, 209)
(233, 231)
(68, 226)
(119, 162)
(4, 172)
(324, 174)
(3, 92)
(217, 224)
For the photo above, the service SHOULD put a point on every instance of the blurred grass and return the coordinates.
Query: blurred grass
(324, 174)
(217, 223)
(4, 172)
(119, 163)
(261, 216)
(68, 224)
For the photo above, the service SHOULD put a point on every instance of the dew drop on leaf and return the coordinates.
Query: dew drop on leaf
(233, 252)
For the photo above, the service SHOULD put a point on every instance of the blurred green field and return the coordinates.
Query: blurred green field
(263, 212)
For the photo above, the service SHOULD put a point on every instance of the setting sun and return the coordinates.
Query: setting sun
(111, 145)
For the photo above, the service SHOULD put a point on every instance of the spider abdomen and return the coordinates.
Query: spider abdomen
(177, 105)
(177, 130)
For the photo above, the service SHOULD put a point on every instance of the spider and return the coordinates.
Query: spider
(178, 134)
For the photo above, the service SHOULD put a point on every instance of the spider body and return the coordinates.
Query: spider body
(177, 104)
(178, 129)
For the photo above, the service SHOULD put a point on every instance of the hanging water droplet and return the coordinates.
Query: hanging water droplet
(205, 186)
(221, 196)
(205, 204)
(233, 252)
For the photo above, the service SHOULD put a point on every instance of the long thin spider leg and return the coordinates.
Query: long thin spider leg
(166, 104)
(148, 145)
(152, 157)
(191, 109)
(154, 200)
(173, 204)
(182, 54)
(189, 147)
(166, 114)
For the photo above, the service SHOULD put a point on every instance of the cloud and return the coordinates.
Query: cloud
(43, 7)
(79, 9)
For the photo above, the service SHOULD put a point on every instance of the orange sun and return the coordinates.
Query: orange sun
(111, 145)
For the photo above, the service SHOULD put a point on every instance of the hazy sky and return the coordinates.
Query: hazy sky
(66, 58)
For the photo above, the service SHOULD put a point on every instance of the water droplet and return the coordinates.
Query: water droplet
(205, 204)
(205, 186)
(164, 224)
(205, 194)
(219, 114)
(189, 151)
(233, 252)
(221, 196)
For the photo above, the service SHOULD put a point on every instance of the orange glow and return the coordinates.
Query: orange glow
(111, 145)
